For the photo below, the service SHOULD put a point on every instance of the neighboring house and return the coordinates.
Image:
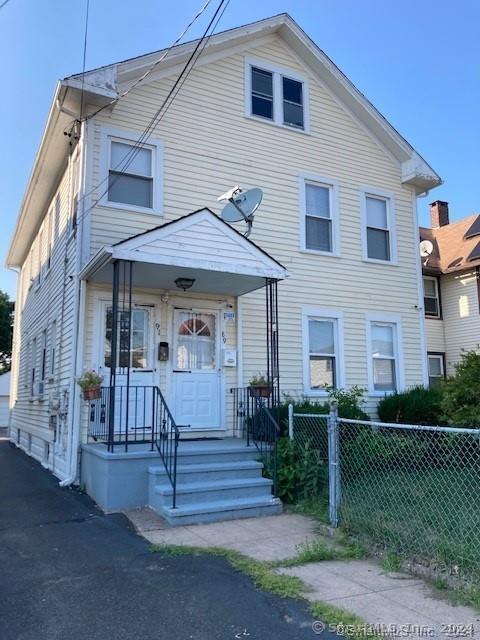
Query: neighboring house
(195, 302)
(4, 401)
(451, 279)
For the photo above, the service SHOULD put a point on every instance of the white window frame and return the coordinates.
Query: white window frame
(316, 313)
(389, 197)
(130, 137)
(396, 322)
(437, 296)
(438, 356)
(277, 74)
(332, 185)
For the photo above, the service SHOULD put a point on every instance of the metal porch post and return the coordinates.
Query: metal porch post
(113, 356)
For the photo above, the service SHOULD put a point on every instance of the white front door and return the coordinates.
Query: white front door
(139, 359)
(196, 372)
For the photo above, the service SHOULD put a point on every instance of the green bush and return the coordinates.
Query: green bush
(461, 393)
(418, 405)
(301, 473)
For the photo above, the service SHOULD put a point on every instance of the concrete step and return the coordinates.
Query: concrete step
(203, 512)
(204, 471)
(220, 490)
(192, 455)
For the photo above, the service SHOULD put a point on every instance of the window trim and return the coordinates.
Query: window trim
(441, 356)
(130, 137)
(390, 319)
(318, 313)
(277, 74)
(321, 181)
(439, 301)
(373, 192)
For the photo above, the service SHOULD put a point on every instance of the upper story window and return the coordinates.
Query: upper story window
(134, 173)
(275, 94)
(319, 215)
(431, 297)
(379, 227)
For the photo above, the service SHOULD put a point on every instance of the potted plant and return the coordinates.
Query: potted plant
(259, 387)
(90, 383)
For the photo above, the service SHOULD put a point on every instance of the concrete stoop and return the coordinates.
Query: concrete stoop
(216, 480)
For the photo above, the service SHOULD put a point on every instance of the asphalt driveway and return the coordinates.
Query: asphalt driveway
(68, 571)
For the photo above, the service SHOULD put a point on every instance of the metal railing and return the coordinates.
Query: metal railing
(256, 422)
(167, 438)
(125, 416)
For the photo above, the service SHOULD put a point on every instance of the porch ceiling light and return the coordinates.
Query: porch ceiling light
(184, 283)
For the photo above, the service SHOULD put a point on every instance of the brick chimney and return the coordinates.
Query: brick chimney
(438, 214)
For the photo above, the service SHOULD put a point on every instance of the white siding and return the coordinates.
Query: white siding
(461, 315)
(435, 334)
(38, 306)
(210, 145)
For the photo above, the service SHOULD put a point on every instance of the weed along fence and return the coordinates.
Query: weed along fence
(405, 489)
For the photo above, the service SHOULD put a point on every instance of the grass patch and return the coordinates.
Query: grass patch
(391, 562)
(318, 550)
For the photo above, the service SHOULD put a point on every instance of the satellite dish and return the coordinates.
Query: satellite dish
(426, 248)
(241, 205)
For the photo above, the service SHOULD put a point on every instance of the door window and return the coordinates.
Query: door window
(137, 356)
(195, 337)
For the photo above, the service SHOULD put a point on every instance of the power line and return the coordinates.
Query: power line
(4, 3)
(125, 162)
(154, 65)
(84, 60)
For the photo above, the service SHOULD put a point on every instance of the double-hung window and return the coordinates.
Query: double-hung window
(379, 232)
(322, 351)
(133, 172)
(384, 356)
(277, 95)
(319, 216)
(431, 297)
(436, 368)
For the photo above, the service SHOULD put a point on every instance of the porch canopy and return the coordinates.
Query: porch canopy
(199, 246)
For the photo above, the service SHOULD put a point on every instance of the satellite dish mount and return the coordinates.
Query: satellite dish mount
(241, 205)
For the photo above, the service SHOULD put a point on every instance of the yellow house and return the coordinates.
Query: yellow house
(127, 267)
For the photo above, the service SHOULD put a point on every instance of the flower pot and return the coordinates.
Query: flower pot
(260, 391)
(92, 393)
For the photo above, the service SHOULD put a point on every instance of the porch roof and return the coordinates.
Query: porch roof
(200, 246)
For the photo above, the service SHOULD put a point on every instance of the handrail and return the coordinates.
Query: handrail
(167, 438)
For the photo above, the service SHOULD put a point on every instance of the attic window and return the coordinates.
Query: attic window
(474, 254)
(474, 229)
(276, 95)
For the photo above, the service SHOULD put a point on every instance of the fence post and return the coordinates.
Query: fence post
(333, 465)
(290, 421)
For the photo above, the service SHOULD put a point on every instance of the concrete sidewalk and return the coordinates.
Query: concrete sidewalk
(397, 603)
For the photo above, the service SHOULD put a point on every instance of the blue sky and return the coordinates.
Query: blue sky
(417, 61)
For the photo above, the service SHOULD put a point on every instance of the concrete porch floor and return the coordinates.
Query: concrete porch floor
(396, 601)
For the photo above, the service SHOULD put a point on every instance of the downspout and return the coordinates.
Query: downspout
(79, 327)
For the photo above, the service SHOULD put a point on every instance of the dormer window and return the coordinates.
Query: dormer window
(276, 95)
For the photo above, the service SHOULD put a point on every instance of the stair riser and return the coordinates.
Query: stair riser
(206, 476)
(234, 514)
(224, 456)
(195, 497)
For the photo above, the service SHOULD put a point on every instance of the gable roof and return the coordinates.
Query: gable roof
(103, 85)
(456, 246)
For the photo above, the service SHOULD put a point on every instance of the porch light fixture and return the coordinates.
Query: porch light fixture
(184, 283)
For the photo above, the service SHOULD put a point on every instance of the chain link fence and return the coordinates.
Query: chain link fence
(404, 489)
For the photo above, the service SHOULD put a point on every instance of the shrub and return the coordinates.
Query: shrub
(461, 393)
(418, 405)
(301, 472)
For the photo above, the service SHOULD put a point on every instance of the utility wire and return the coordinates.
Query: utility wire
(125, 162)
(154, 65)
(4, 3)
(84, 60)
